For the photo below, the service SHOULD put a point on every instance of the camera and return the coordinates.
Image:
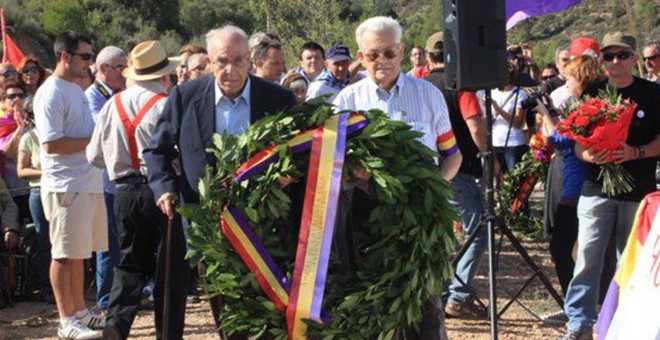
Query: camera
(530, 103)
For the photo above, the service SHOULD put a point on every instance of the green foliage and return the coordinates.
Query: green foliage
(197, 17)
(61, 15)
(404, 247)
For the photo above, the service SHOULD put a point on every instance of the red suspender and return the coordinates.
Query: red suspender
(131, 125)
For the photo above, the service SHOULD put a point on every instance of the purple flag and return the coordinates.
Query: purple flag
(519, 10)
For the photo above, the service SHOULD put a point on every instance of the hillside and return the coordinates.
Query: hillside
(33, 23)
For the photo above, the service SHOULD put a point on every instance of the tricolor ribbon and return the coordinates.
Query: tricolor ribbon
(302, 299)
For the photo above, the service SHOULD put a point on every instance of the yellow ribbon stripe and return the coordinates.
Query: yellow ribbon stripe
(317, 224)
(256, 258)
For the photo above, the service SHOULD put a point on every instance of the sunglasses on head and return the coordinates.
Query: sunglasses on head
(12, 96)
(9, 73)
(388, 54)
(84, 56)
(34, 69)
(651, 57)
(623, 55)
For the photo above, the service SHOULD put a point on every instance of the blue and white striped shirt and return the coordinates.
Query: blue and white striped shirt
(414, 101)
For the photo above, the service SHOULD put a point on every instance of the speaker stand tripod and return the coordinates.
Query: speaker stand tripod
(491, 221)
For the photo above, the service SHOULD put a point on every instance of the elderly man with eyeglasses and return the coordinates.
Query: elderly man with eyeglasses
(414, 101)
(110, 63)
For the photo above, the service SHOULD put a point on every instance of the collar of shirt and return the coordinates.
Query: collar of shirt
(106, 87)
(151, 86)
(384, 94)
(219, 96)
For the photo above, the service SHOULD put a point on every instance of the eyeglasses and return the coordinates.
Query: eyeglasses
(623, 55)
(83, 56)
(238, 61)
(565, 60)
(119, 67)
(199, 68)
(33, 69)
(388, 54)
(12, 96)
(547, 77)
(651, 57)
(9, 74)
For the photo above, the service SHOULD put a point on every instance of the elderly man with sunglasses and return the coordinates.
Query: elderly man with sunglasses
(651, 58)
(404, 98)
(600, 216)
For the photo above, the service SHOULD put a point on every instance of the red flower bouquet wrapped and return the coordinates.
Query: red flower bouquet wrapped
(602, 124)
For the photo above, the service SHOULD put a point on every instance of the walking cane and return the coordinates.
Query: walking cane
(166, 285)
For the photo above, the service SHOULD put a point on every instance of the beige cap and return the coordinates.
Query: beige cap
(618, 39)
(149, 61)
(431, 42)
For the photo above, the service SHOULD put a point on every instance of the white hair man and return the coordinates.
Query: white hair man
(402, 97)
(123, 130)
(110, 62)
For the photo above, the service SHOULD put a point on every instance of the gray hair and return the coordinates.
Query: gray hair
(257, 38)
(560, 48)
(378, 25)
(107, 54)
(230, 30)
(196, 56)
(655, 44)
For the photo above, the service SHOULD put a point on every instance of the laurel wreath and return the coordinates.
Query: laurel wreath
(404, 246)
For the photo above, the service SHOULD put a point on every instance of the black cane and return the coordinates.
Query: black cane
(166, 284)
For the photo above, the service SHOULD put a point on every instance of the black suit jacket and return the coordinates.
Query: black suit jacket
(188, 123)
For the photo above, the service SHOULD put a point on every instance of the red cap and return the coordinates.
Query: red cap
(584, 46)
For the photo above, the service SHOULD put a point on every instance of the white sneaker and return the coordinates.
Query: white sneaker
(74, 330)
(92, 320)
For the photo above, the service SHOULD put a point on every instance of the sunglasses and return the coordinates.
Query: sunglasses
(388, 54)
(547, 77)
(84, 56)
(651, 57)
(623, 55)
(10, 73)
(12, 96)
(34, 69)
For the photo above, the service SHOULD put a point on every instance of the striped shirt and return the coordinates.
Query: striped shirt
(414, 101)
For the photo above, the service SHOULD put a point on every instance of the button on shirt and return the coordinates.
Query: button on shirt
(108, 147)
(232, 117)
(414, 101)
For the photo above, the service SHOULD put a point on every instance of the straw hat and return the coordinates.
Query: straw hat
(149, 61)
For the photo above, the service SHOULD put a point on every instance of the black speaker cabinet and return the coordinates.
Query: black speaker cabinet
(475, 44)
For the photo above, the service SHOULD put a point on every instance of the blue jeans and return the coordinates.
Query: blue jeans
(599, 219)
(469, 202)
(42, 256)
(107, 261)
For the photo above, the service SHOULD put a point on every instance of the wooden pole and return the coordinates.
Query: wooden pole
(633, 29)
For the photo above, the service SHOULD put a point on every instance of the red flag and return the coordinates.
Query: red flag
(10, 52)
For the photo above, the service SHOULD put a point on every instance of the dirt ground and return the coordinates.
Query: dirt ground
(518, 322)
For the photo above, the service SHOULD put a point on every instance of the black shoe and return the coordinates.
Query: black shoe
(111, 333)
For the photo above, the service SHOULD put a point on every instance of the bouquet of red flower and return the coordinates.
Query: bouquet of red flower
(602, 123)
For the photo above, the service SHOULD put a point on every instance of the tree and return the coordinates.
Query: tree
(61, 15)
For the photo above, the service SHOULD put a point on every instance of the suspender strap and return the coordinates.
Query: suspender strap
(131, 125)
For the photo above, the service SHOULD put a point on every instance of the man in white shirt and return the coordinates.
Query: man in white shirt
(414, 101)
(72, 190)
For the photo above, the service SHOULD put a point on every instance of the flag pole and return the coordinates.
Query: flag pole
(633, 29)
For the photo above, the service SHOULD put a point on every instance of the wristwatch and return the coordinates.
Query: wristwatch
(640, 152)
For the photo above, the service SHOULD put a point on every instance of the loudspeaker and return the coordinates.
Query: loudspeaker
(475, 44)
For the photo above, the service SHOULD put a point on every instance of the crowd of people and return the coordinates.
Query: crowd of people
(98, 152)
